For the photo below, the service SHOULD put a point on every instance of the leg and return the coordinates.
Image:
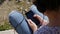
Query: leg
(19, 23)
(34, 10)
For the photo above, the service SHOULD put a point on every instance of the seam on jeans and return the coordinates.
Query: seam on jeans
(19, 23)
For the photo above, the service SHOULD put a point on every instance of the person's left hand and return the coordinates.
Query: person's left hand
(32, 25)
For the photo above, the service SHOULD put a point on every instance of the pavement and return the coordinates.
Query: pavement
(12, 31)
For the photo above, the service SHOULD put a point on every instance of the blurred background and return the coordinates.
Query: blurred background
(6, 6)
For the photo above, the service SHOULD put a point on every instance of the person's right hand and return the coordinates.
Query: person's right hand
(32, 25)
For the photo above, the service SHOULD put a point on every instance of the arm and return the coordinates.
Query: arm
(33, 25)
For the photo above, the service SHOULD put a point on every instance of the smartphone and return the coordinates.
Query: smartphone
(30, 15)
(33, 10)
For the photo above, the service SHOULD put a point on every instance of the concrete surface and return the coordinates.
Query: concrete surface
(12, 31)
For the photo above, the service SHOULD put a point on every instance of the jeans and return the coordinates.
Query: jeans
(20, 24)
(34, 10)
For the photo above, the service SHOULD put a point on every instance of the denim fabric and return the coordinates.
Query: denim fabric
(34, 10)
(19, 23)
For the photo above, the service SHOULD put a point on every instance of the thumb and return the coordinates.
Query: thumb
(40, 19)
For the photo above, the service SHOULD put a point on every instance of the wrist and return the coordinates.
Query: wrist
(35, 29)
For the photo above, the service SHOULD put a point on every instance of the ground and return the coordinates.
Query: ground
(12, 31)
(6, 7)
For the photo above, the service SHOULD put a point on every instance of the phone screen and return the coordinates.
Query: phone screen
(30, 15)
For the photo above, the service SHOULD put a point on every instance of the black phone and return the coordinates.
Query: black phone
(30, 15)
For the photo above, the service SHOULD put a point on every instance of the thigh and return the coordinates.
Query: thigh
(19, 23)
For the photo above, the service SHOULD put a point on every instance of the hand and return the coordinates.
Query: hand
(41, 20)
(32, 25)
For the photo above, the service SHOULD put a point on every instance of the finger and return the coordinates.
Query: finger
(32, 25)
(29, 21)
(40, 19)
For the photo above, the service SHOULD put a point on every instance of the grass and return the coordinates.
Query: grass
(6, 26)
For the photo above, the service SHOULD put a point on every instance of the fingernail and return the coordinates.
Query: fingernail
(35, 15)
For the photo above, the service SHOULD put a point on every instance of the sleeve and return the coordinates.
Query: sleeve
(35, 32)
(42, 31)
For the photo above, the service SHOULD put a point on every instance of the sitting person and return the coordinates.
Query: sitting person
(19, 22)
(51, 8)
